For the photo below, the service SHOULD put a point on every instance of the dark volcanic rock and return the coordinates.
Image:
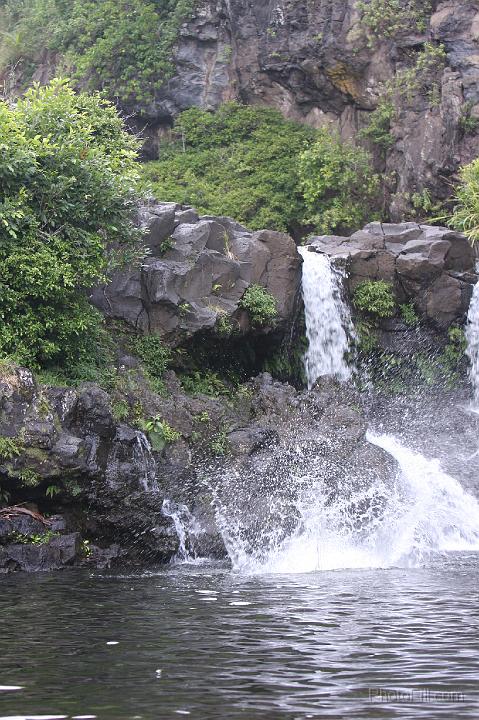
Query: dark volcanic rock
(200, 276)
(431, 266)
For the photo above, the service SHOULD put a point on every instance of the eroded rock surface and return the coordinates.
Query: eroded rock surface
(197, 273)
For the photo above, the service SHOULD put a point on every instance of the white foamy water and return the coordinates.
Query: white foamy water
(328, 321)
(187, 529)
(397, 523)
(472, 336)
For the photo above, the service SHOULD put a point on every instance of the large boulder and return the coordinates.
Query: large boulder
(431, 266)
(197, 272)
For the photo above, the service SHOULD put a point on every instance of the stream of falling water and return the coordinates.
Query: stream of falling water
(328, 320)
(472, 337)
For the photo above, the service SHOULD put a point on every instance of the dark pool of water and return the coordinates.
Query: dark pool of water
(200, 642)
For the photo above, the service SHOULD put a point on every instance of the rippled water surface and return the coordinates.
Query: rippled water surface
(202, 642)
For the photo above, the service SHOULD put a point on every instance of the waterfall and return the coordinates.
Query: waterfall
(362, 523)
(187, 529)
(472, 336)
(328, 321)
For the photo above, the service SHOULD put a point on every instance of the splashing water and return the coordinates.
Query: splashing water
(328, 321)
(472, 336)
(187, 529)
(361, 524)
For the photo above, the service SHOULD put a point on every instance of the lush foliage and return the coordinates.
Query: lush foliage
(265, 171)
(387, 18)
(67, 193)
(339, 187)
(241, 161)
(466, 211)
(160, 433)
(154, 354)
(260, 305)
(375, 297)
(121, 46)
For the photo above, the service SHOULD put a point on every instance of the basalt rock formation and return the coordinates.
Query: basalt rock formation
(326, 62)
(432, 267)
(321, 63)
(197, 272)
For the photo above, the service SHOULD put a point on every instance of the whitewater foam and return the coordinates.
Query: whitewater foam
(402, 523)
(328, 320)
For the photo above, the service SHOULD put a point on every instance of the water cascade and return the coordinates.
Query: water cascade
(381, 523)
(472, 336)
(328, 320)
(187, 529)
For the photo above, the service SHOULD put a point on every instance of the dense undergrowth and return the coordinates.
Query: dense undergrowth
(252, 164)
(121, 46)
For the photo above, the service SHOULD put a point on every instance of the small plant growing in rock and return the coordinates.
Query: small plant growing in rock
(375, 297)
(10, 448)
(260, 305)
(153, 353)
(120, 410)
(29, 478)
(167, 244)
(202, 417)
(220, 443)
(42, 539)
(408, 314)
(52, 490)
(160, 433)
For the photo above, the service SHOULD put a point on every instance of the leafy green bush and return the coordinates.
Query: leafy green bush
(260, 305)
(465, 216)
(121, 46)
(160, 433)
(240, 161)
(339, 187)
(387, 18)
(155, 355)
(10, 447)
(265, 171)
(206, 382)
(67, 194)
(378, 129)
(375, 297)
(409, 315)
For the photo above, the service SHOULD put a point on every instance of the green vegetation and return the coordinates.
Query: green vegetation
(422, 76)
(67, 194)
(160, 433)
(155, 356)
(375, 297)
(42, 539)
(220, 444)
(465, 216)
(265, 171)
(123, 47)
(260, 305)
(388, 18)
(339, 187)
(28, 477)
(409, 315)
(204, 382)
(378, 129)
(10, 447)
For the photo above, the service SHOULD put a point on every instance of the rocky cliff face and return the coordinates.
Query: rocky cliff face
(320, 63)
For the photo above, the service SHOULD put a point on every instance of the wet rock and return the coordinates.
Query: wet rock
(59, 552)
